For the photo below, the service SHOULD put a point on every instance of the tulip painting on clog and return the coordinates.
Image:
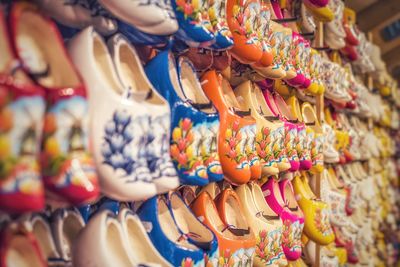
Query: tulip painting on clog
(268, 248)
(278, 148)
(241, 257)
(184, 153)
(217, 14)
(262, 29)
(291, 236)
(65, 161)
(264, 147)
(249, 134)
(195, 27)
(235, 146)
(303, 150)
(21, 116)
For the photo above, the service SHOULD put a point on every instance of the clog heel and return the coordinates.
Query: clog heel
(233, 122)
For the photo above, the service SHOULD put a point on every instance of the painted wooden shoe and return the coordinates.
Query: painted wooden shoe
(67, 166)
(275, 40)
(192, 229)
(166, 236)
(140, 248)
(241, 18)
(19, 247)
(183, 91)
(279, 108)
(41, 230)
(217, 14)
(149, 17)
(316, 213)
(107, 228)
(270, 215)
(292, 224)
(315, 135)
(116, 134)
(302, 149)
(265, 139)
(323, 14)
(234, 160)
(231, 214)
(22, 107)
(65, 226)
(280, 148)
(157, 120)
(269, 234)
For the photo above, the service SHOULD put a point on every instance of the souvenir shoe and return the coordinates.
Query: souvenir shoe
(141, 250)
(155, 122)
(266, 144)
(231, 214)
(287, 51)
(117, 133)
(269, 215)
(315, 137)
(233, 122)
(66, 225)
(182, 90)
(262, 29)
(166, 236)
(79, 14)
(192, 229)
(302, 149)
(268, 247)
(292, 224)
(316, 213)
(296, 56)
(275, 39)
(22, 107)
(41, 230)
(229, 242)
(282, 142)
(279, 107)
(19, 247)
(335, 27)
(67, 166)
(242, 18)
(306, 20)
(331, 155)
(148, 17)
(217, 14)
(107, 228)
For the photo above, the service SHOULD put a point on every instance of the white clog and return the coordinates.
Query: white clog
(118, 126)
(157, 112)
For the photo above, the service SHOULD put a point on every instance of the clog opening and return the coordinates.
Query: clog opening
(45, 239)
(134, 76)
(43, 53)
(261, 202)
(187, 222)
(114, 245)
(21, 253)
(70, 229)
(234, 215)
(168, 226)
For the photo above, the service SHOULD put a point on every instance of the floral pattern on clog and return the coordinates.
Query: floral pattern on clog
(278, 146)
(184, 152)
(20, 131)
(291, 235)
(65, 159)
(263, 146)
(302, 146)
(249, 132)
(316, 146)
(262, 27)
(239, 258)
(291, 141)
(322, 222)
(235, 144)
(245, 15)
(275, 39)
(217, 14)
(196, 10)
(268, 248)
